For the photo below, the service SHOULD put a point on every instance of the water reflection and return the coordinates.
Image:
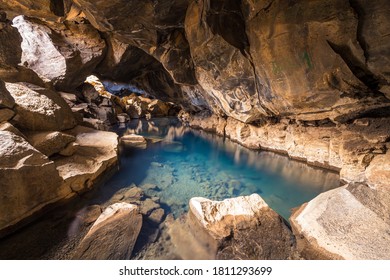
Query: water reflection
(186, 163)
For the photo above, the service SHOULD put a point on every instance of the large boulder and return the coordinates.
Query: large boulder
(29, 181)
(39, 108)
(50, 142)
(96, 154)
(350, 222)
(113, 235)
(245, 226)
(64, 54)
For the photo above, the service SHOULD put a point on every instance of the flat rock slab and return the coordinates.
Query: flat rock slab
(96, 152)
(134, 141)
(113, 235)
(341, 224)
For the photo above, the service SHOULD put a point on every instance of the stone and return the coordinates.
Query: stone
(69, 150)
(29, 181)
(157, 108)
(10, 50)
(90, 214)
(6, 126)
(50, 142)
(6, 100)
(378, 172)
(147, 206)
(134, 141)
(81, 50)
(96, 154)
(245, 227)
(39, 108)
(6, 114)
(123, 118)
(113, 235)
(94, 123)
(334, 225)
(157, 215)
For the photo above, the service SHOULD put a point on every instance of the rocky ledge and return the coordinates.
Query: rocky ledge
(45, 155)
(334, 224)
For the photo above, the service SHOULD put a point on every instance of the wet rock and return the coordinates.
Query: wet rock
(147, 206)
(334, 225)
(245, 227)
(123, 118)
(113, 235)
(157, 215)
(28, 180)
(50, 142)
(134, 141)
(39, 108)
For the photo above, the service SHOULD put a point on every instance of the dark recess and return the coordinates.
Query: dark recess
(57, 7)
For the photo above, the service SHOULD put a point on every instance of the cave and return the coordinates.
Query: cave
(261, 126)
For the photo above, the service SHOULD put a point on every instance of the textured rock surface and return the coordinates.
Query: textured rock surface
(39, 108)
(246, 227)
(61, 53)
(113, 235)
(133, 141)
(50, 142)
(96, 153)
(344, 223)
(28, 182)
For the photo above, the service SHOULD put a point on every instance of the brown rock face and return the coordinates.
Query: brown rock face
(245, 227)
(113, 235)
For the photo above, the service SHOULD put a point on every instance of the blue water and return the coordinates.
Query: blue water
(185, 163)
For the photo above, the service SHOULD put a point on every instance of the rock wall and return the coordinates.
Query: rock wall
(244, 59)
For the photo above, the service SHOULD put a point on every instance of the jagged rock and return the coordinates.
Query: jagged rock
(6, 126)
(147, 206)
(344, 223)
(68, 66)
(50, 142)
(29, 181)
(39, 108)
(157, 108)
(113, 235)
(245, 226)
(134, 141)
(96, 154)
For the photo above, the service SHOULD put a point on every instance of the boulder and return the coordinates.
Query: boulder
(350, 222)
(158, 108)
(96, 154)
(134, 141)
(50, 142)
(113, 235)
(64, 54)
(29, 181)
(245, 227)
(6, 100)
(39, 108)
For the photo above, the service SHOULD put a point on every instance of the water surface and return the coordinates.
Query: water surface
(185, 163)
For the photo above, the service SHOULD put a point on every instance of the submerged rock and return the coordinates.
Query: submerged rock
(113, 235)
(134, 141)
(245, 227)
